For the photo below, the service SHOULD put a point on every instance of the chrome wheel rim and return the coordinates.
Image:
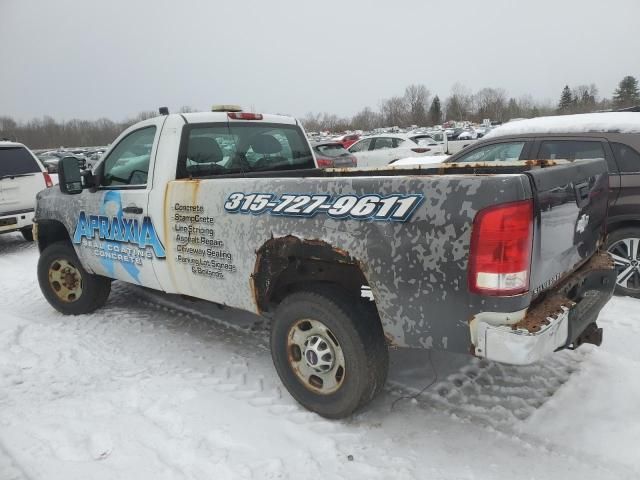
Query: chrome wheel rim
(65, 280)
(315, 356)
(626, 256)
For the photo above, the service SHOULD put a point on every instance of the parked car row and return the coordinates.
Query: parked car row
(385, 146)
(380, 150)
(87, 157)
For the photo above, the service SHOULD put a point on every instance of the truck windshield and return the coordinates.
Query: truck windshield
(242, 147)
(17, 161)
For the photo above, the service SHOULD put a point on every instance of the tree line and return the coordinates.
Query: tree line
(47, 132)
(415, 106)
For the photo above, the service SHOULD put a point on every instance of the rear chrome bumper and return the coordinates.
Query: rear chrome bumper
(558, 321)
(519, 346)
(15, 221)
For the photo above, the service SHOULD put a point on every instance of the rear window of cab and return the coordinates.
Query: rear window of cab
(242, 147)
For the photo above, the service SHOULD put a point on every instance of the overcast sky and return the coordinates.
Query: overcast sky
(114, 58)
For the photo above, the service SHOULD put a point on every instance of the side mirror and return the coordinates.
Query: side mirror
(69, 176)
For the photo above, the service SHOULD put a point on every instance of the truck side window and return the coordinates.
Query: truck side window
(241, 148)
(627, 158)
(497, 152)
(570, 150)
(128, 162)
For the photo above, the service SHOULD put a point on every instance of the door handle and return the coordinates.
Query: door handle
(132, 209)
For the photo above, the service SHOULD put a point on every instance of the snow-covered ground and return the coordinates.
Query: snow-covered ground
(153, 387)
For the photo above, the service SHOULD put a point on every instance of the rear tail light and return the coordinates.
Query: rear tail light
(354, 160)
(324, 162)
(47, 179)
(500, 254)
(421, 150)
(244, 116)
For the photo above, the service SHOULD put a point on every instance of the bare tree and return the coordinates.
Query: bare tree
(366, 119)
(394, 111)
(491, 103)
(459, 104)
(417, 98)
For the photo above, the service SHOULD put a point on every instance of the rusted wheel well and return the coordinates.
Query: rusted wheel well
(51, 231)
(287, 264)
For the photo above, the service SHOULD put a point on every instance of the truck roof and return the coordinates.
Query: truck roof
(210, 117)
(613, 122)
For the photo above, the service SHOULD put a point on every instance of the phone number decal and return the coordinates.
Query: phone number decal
(367, 207)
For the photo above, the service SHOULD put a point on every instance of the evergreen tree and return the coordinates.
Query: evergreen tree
(435, 112)
(513, 109)
(587, 102)
(566, 100)
(627, 93)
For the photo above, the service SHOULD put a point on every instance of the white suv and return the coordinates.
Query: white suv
(22, 176)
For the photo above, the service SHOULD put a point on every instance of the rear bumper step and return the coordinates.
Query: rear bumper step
(565, 319)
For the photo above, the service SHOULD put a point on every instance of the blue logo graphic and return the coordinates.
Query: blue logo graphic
(118, 230)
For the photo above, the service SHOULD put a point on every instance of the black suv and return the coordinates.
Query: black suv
(614, 136)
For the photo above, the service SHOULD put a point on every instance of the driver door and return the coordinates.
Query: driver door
(115, 234)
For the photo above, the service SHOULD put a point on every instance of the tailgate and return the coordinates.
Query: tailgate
(571, 205)
(20, 179)
(19, 193)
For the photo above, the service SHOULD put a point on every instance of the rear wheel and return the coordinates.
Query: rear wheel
(329, 350)
(624, 247)
(27, 233)
(66, 285)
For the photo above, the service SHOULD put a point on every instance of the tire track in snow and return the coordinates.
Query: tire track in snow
(501, 397)
(238, 379)
(9, 469)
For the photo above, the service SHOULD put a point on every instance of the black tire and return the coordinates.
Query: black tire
(27, 233)
(95, 289)
(617, 244)
(356, 327)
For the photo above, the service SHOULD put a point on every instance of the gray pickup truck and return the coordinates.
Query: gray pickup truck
(500, 261)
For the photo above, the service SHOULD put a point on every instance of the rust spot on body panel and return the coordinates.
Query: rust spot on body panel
(551, 306)
(289, 260)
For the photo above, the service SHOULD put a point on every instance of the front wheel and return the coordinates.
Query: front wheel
(66, 285)
(329, 350)
(624, 247)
